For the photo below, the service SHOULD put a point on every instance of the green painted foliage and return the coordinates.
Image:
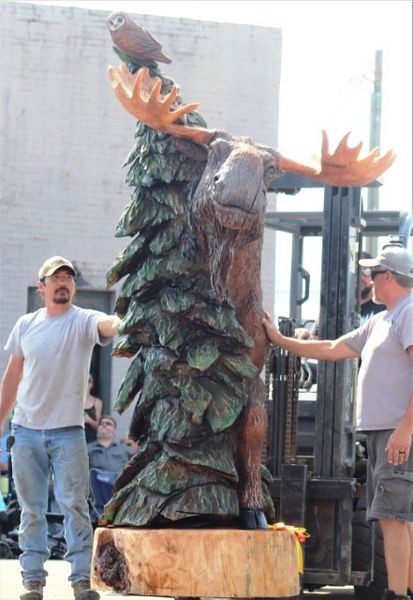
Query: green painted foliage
(141, 211)
(127, 260)
(202, 356)
(131, 384)
(240, 364)
(226, 408)
(169, 421)
(191, 371)
(195, 397)
(126, 347)
(174, 300)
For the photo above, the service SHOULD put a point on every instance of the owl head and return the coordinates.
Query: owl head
(116, 20)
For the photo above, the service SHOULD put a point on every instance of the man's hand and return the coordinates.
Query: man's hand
(108, 326)
(271, 330)
(319, 349)
(399, 445)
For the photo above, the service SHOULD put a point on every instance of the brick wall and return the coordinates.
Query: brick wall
(64, 135)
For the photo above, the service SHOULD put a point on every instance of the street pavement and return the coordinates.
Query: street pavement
(58, 587)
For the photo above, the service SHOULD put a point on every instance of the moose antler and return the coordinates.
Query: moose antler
(141, 96)
(343, 167)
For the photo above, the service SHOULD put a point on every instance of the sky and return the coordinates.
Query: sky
(327, 73)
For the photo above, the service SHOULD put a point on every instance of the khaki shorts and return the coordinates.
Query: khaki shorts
(389, 487)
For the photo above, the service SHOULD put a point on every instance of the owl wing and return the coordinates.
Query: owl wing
(147, 43)
(149, 47)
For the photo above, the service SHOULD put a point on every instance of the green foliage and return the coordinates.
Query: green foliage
(203, 356)
(127, 260)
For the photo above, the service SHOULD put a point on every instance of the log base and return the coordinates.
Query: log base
(226, 563)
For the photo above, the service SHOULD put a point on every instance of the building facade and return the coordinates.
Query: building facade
(64, 137)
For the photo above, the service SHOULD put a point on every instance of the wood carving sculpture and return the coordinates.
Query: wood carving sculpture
(191, 303)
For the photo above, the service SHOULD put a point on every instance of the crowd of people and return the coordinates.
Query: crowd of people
(60, 434)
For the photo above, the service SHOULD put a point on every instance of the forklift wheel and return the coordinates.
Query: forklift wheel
(361, 552)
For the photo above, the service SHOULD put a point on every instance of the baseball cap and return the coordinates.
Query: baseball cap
(392, 258)
(51, 265)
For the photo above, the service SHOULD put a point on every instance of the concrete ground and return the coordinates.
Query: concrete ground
(58, 587)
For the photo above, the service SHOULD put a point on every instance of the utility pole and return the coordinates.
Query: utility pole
(375, 126)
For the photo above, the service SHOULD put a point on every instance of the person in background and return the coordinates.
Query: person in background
(368, 307)
(4, 470)
(4, 453)
(46, 382)
(106, 461)
(384, 405)
(105, 453)
(93, 408)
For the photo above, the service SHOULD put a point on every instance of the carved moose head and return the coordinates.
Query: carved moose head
(229, 204)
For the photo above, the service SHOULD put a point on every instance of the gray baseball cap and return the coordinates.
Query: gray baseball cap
(392, 258)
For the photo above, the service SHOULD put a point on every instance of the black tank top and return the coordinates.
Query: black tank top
(90, 433)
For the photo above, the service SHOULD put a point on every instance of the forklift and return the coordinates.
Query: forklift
(316, 458)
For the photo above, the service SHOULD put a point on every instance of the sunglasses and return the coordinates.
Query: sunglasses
(373, 274)
(107, 423)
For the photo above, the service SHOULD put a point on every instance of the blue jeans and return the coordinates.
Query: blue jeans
(37, 453)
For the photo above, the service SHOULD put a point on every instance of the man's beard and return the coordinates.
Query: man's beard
(104, 435)
(61, 300)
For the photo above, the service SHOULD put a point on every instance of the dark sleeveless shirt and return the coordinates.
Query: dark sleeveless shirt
(90, 433)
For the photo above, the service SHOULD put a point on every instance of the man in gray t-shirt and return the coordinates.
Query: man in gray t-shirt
(384, 404)
(45, 382)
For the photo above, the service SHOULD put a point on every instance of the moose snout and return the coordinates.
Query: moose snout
(226, 192)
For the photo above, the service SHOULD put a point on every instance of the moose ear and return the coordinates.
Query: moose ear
(191, 149)
(221, 148)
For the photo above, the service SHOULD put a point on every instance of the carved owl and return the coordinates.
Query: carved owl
(134, 41)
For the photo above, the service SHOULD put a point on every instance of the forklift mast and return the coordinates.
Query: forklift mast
(334, 433)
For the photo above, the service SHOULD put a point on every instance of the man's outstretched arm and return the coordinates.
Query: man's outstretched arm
(319, 349)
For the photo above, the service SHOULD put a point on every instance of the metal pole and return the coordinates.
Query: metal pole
(375, 125)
